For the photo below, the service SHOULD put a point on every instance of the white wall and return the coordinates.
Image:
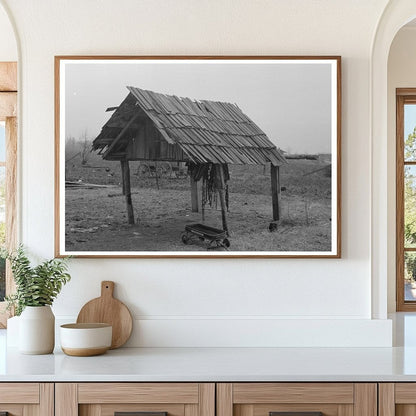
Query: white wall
(401, 74)
(8, 47)
(197, 302)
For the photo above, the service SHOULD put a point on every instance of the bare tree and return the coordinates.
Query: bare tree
(85, 146)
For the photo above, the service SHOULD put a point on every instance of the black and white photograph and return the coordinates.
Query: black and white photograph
(198, 156)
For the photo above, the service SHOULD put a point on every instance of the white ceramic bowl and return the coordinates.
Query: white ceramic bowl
(84, 340)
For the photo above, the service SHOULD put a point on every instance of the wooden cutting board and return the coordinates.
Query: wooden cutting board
(108, 310)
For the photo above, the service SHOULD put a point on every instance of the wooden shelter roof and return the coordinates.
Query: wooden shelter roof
(206, 131)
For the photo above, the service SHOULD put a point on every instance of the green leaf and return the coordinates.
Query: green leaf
(35, 286)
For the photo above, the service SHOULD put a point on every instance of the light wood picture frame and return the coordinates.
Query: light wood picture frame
(198, 156)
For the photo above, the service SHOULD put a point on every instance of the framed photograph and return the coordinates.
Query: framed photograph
(185, 156)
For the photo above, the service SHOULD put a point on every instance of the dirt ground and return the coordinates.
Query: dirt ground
(96, 221)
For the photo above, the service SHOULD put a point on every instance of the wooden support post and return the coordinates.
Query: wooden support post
(195, 197)
(219, 171)
(122, 177)
(126, 186)
(276, 195)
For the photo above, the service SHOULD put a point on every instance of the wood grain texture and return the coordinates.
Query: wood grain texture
(107, 309)
(66, 399)
(245, 410)
(127, 191)
(8, 76)
(207, 399)
(8, 105)
(25, 393)
(365, 399)
(224, 399)
(264, 410)
(138, 393)
(58, 59)
(251, 393)
(405, 393)
(405, 410)
(276, 192)
(405, 91)
(190, 410)
(13, 409)
(386, 399)
(47, 399)
(90, 410)
(30, 410)
(346, 410)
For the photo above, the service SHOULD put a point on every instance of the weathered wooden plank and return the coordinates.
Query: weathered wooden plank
(276, 194)
(123, 165)
(127, 191)
(219, 170)
(195, 196)
(120, 135)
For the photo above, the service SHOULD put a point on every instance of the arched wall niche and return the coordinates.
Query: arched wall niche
(396, 15)
(9, 50)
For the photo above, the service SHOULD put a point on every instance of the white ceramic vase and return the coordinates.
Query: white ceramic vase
(37, 330)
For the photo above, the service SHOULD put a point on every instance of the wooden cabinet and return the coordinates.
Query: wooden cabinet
(208, 399)
(297, 399)
(108, 399)
(27, 399)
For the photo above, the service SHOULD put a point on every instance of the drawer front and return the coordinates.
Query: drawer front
(397, 399)
(135, 399)
(138, 393)
(22, 399)
(297, 399)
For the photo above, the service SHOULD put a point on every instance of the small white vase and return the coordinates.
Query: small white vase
(37, 330)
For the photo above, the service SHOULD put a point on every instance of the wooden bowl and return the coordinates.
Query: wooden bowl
(84, 340)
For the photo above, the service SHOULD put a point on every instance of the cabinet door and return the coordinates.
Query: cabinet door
(141, 399)
(26, 399)
(397, 399)
(297, 399)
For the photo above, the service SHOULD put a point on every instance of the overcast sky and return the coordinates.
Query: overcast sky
(291, 102)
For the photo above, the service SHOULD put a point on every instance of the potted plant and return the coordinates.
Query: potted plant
(36, 289)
